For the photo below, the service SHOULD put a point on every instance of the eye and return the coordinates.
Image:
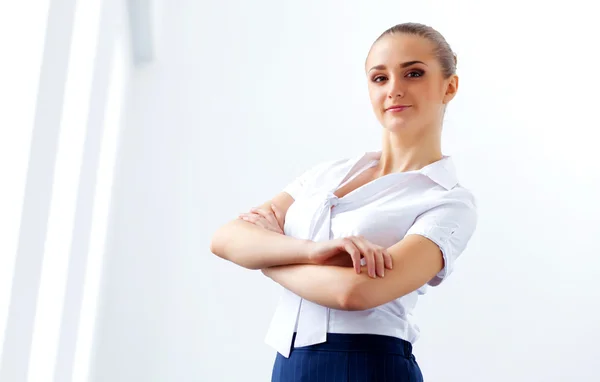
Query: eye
(379, 78)
(415, 73)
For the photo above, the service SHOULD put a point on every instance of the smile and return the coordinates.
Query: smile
(397, 108)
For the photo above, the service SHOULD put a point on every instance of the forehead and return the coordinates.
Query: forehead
(397, 48)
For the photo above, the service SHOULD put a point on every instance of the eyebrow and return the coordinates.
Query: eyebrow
(403, 65)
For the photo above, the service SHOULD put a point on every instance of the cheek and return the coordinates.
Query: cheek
(377, 97)
(435, 93)
(429, 96)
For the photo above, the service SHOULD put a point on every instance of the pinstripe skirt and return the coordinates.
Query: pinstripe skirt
(350, 358)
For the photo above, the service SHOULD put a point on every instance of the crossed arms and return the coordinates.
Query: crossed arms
(323, 272)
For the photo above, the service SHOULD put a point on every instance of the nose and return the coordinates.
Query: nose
(395, 90)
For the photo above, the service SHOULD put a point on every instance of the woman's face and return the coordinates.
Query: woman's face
(406, 84)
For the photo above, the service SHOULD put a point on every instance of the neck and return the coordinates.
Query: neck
(404, 152)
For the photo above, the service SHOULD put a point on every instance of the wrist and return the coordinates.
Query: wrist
(308, 252)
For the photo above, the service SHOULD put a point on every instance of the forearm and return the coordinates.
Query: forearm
(254, 247)
(330, 286)
(416, 261)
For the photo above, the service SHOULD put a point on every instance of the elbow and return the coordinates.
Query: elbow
(219, 247)
(351, 298)
(215, 248)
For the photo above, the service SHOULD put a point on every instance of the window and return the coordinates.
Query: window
(22, 34)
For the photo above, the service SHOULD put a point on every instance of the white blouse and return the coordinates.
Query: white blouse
(427, 202)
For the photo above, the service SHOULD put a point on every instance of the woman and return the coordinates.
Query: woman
(354, 242)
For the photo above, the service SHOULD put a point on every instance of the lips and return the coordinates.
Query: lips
(397, 108)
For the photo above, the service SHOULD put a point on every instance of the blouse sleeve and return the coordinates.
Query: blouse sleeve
(450, 225)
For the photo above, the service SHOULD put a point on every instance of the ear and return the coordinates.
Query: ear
(451, 88)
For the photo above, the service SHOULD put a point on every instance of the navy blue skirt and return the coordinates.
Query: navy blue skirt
(350, 358)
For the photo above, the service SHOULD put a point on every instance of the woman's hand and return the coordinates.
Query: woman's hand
(343, 252)
(267, 219)
(332, 252)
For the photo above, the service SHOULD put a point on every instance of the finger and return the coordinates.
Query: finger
(262, 213)
(379, 263)
(387, 258)
(370, 258)
(278, 214)
(259, 211)
(253, 218)
(260, 221)
(268, 215)
(368, 254)
(354, 253)
(249, 216)
(271, 217)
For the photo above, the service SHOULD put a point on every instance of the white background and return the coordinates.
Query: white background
(244, 96)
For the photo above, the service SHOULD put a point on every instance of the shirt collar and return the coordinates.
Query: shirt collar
(443, 171)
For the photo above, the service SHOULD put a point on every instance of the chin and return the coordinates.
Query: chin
(396, 126)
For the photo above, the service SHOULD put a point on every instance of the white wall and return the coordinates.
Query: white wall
(245, 95)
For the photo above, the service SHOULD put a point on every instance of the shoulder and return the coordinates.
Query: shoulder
(462, 195)
(457, 210)
(450, 222)
(459, 203)
(453, 207)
